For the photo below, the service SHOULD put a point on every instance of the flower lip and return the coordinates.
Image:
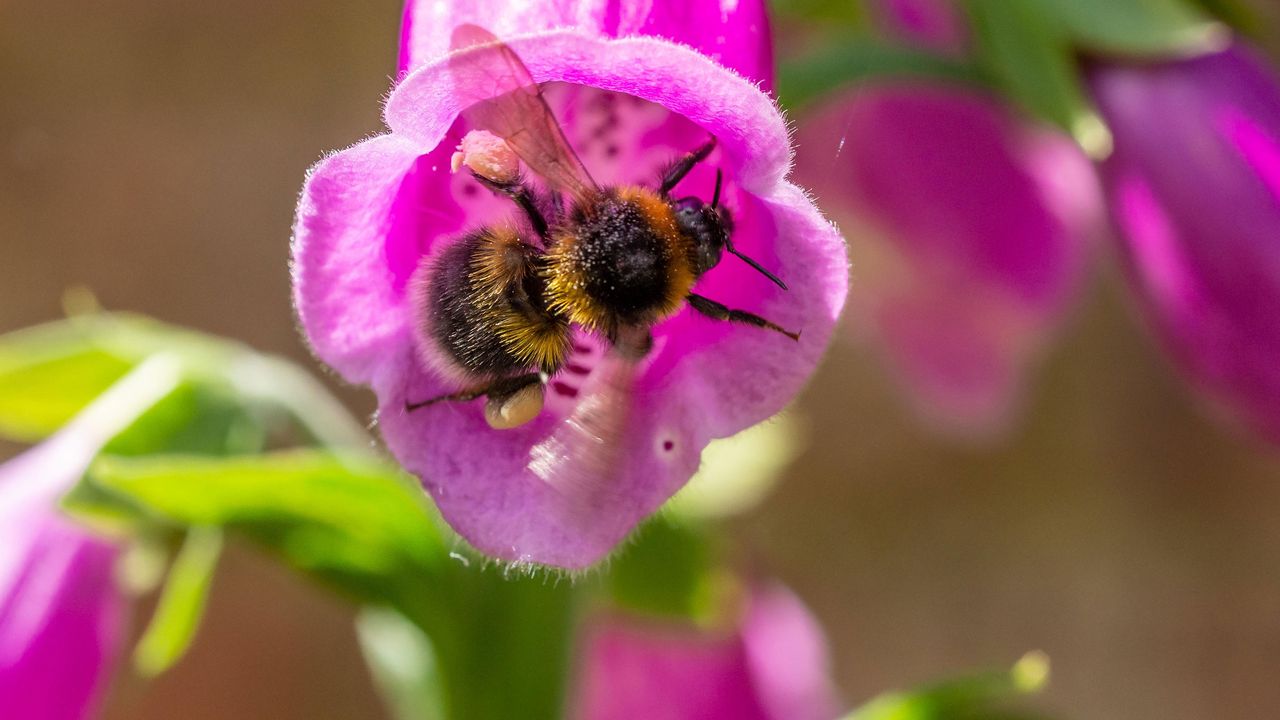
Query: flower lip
(702, 380)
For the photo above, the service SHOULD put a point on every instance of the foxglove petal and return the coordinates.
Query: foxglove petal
(972, 233)
(773, 666)
(1194, 185)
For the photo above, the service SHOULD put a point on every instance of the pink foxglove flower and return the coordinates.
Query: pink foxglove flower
(772, 666)
(969, 230)
(633, 89)
(61, 614)
(1194, 185)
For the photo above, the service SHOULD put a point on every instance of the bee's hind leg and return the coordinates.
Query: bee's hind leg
(522, 196)
(717, 311)
(512, 401)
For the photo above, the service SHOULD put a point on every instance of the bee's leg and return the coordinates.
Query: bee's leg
(501, 388)
(681, 167)
(511, 402)
(461, 396)
(717, 311)
(521, 196)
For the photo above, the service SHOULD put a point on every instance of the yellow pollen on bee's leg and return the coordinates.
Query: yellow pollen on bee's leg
(488, 156)
(516, 409)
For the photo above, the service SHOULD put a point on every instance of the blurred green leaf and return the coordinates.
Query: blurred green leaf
(984, 696)
(1247, 16)
(50, 372)
(176, 617)
(1026, 52)
(46, 378)
(863, 58)
(351, 520)
(194, 419)
(842, 14)
(1137, 27)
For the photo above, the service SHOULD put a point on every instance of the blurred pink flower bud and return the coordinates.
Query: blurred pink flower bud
(773, 666)
(969, 236)
(61, 614)
(1194, 185)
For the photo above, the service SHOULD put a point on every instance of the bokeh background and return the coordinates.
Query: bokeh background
(152, 150)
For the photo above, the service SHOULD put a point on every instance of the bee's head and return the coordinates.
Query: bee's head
(708, 226)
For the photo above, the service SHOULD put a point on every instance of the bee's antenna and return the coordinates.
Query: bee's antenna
(715, 197)
(728, 245)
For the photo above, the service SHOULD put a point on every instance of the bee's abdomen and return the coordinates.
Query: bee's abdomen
(620, 261)
(484, 309)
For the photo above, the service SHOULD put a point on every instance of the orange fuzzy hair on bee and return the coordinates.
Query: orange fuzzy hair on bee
(589, 261)
(499, 267)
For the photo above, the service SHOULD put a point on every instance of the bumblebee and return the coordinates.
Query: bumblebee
(499, 305)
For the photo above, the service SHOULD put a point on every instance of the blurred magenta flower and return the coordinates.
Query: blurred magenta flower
(935, 24)
(773, 666)
(970, 231)
(634, 87)
(61, 614)
(1194, 186)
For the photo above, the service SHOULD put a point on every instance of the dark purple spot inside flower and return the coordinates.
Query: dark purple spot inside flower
(564, 389)
(470, 190)
(668, 446)
(577, 369)
(611, 151)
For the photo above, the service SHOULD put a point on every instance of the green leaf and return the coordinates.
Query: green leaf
(194, 419)
(352, 521)
(1027, 54)
(863, 58)
(51, 372)
(45, 380)
(176, 617)
(1137, 27)
(983, 696)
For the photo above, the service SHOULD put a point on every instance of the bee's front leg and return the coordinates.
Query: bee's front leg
(522, 196)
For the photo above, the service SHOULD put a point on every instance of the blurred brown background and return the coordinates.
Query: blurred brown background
(153, 149)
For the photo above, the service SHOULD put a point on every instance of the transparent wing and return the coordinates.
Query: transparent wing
(501, 97)
(582, 457)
